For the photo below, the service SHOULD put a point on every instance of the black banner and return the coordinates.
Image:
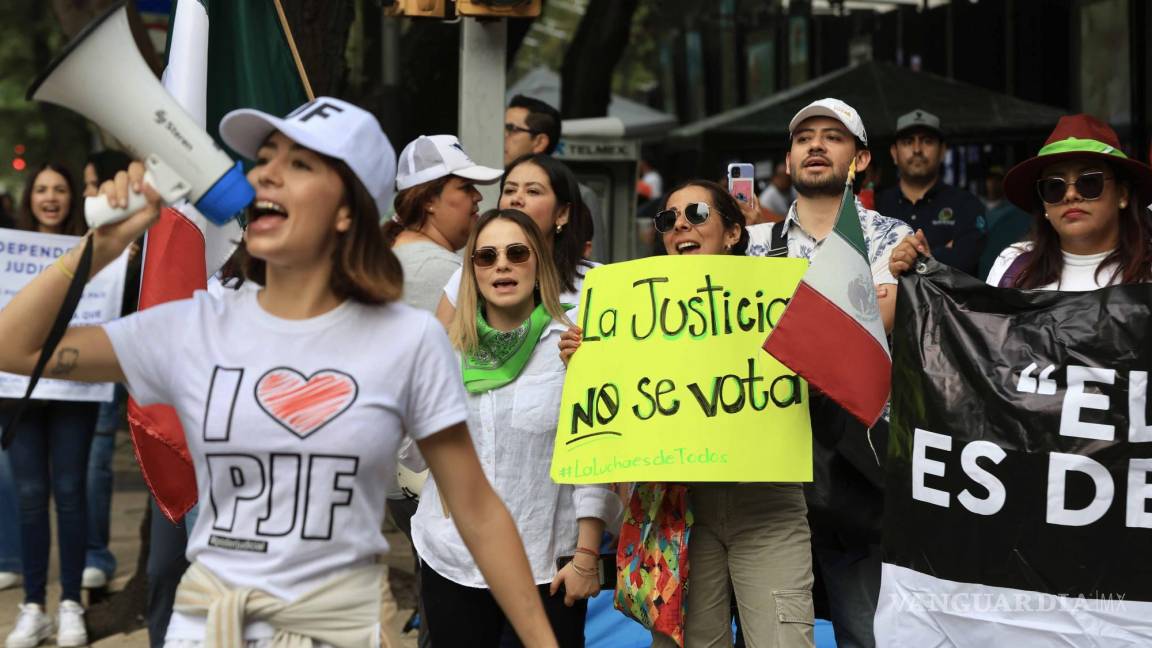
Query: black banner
(1021, 439)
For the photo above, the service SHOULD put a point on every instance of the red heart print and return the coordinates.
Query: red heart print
(304, 405)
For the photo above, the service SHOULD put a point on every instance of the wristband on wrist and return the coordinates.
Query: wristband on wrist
(590, 552)
(63, 268)
(585, 572)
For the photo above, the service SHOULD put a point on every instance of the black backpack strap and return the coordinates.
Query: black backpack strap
(778, 239)
(59, 327)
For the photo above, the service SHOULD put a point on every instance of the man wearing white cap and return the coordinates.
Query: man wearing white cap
(845, 500)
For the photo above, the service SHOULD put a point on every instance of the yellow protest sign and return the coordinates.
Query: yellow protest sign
(670, 382)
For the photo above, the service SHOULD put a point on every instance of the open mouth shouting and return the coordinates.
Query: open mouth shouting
(265, 214)
(687, 247)
(817, 164)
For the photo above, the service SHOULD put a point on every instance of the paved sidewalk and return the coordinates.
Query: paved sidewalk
(129, 501)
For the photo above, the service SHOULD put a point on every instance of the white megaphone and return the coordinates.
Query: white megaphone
(182, 159)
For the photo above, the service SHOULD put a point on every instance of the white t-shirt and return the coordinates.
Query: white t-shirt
(293, 427)
(514, 431)
(569, 297)
(1079, 272)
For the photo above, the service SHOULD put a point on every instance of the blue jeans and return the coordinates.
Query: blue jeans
(166, 565)
(100, 484)
(49, 458)
(100, 502)
(9, 519)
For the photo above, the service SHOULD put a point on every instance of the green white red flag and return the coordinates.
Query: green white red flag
(244, 60)
(831, 333)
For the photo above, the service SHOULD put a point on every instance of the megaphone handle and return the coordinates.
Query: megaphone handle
(159, 175)
(98, 212)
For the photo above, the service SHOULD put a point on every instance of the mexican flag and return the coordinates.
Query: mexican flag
(831, 333)
(222, 55)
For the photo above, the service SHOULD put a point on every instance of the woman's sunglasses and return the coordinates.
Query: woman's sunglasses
(695, 213)
(486, 257)
(1089, 185)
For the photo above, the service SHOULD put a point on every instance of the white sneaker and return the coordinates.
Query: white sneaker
(93, 578)
(8, 579)
(70, 629)
(32, 627)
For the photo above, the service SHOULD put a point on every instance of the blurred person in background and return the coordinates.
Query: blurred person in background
(49, 453)
(1006, 223)
(779, 195)
(100, 563)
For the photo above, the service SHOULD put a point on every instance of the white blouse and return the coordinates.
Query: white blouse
(1079, 272)
(514, 431)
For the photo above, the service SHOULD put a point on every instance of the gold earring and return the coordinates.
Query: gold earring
(1123, 204)
(559, 228)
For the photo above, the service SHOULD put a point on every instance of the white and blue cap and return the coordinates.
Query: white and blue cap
(329, 126)
(835, 109)
(431, 157)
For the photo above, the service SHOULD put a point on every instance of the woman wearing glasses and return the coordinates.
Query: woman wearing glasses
(752, 538)
(1090, 226)
(505, 330)
(546, 190)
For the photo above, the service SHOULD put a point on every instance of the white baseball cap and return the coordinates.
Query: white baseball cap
(835, 109)
(329, 126)
(431, 157)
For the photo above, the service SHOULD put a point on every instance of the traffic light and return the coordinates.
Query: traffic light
(417, 8)
(499, 8)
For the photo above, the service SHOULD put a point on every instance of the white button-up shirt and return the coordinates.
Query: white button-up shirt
(514, 430)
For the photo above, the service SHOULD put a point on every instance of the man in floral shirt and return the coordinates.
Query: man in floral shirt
(845, 500)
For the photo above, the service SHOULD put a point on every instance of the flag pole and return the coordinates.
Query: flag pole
(295, 53)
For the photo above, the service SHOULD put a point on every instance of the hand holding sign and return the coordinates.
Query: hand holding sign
(671, 384)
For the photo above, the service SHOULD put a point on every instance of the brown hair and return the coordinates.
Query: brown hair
(74, 224)
(567, 244)
(462, 330)
(1131, 261)
(364, 269)
(409, 204)
(725, 205)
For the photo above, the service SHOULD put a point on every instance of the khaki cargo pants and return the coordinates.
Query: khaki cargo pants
(756, 537)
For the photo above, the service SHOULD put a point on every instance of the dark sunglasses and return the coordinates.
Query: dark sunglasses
(486, 257)
(1089, 185)
(695, 213)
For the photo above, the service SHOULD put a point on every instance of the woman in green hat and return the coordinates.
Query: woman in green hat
(1091, 227)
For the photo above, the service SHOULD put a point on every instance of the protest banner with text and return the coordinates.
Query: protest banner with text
(23, 255)
(1019, 472)
(670, 382)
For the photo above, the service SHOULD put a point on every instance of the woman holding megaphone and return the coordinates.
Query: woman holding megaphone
(294, 398)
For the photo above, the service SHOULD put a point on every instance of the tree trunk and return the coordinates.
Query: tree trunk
(586, 75)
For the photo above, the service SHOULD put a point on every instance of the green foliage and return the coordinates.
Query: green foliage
(638, 69)
(29, 36)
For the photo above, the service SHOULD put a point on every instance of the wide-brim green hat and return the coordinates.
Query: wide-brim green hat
(1077, 137)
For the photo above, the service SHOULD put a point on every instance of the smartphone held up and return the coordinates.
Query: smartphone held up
(742, 181)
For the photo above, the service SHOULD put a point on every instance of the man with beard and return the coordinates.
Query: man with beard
(952, 219)
(845, 499)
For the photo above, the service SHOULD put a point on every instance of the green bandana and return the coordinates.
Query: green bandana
(502, 355)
